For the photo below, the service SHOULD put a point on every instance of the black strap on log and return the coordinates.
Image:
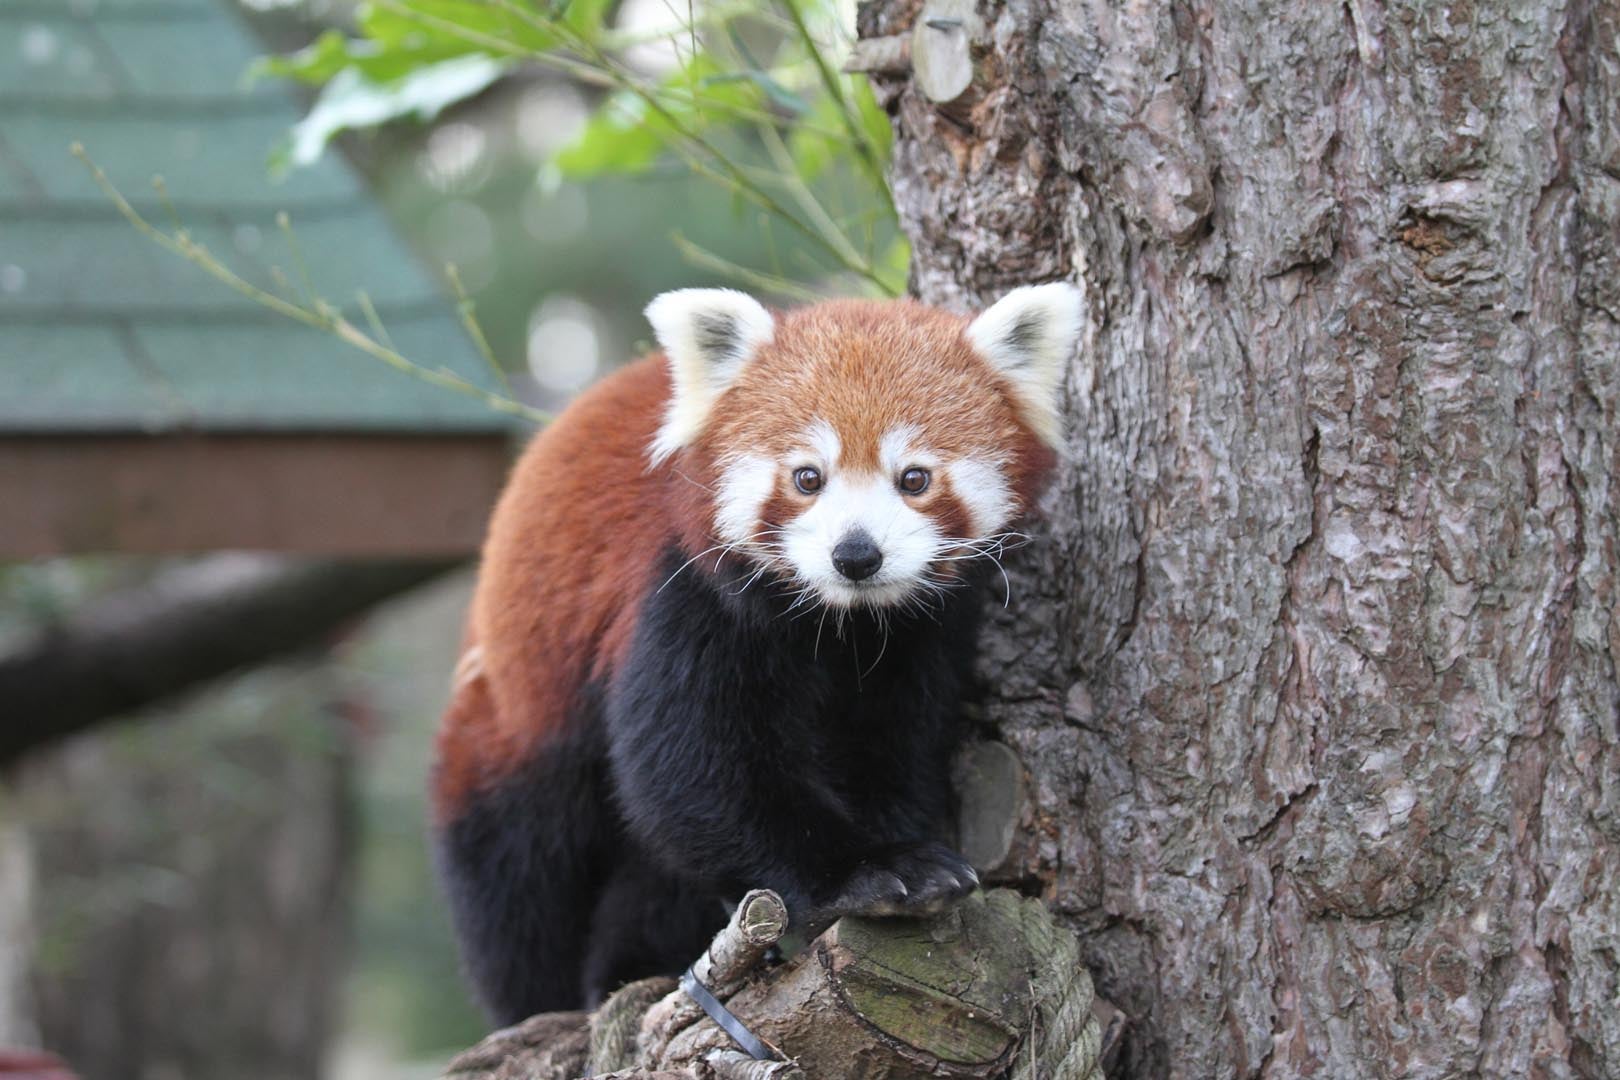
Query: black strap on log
(751, 1043)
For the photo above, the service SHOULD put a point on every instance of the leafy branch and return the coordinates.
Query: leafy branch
(755, 104)
(835, 89)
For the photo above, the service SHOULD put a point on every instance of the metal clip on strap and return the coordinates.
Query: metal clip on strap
(725, 1018)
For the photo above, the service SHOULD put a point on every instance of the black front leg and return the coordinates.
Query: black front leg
(717, 800)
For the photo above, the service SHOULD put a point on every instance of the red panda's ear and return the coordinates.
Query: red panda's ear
(708, 336)
(1028, 335)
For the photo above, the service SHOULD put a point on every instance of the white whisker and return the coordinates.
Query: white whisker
(684, 565)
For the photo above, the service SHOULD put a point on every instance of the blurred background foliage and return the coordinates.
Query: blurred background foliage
(265, 832)
(570, 161)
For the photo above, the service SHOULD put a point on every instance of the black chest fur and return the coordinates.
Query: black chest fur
(845, 699)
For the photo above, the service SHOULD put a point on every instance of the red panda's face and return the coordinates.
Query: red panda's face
(864, 451)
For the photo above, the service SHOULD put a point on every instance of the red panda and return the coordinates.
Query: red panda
(725, 615)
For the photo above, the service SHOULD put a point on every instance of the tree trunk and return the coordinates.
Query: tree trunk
(1312, 668)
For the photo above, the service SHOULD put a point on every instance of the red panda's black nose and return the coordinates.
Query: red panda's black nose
(857, 557)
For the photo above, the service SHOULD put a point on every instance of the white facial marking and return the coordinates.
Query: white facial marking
(908, 540)
(850, 502)
(822, 445)
(745, 484)
(982, 488)
(898, 450)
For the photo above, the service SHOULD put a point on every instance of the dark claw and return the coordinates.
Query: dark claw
(918, 879)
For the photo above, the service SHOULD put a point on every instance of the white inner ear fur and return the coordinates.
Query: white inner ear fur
(1028, 336)
(708, 336)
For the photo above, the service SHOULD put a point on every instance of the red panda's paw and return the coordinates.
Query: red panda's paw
(914, 879)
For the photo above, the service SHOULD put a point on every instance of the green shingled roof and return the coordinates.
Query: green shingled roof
(100, 330)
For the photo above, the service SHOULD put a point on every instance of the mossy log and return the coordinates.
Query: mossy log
(990, 989)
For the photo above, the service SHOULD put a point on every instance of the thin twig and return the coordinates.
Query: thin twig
(320, 315)
(378, 330)
(802, 194)
(284, 223)
(759, 279)
(469, 319)
(834, 85)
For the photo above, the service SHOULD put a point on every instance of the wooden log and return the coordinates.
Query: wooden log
(550, 1046)
(991, 989)
(758, 923)
(985, 990)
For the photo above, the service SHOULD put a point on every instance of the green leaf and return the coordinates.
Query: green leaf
(618, 138)
(894, 266)
(434, 23)
(812, 150)
(349, 100)
(781, 95)
(584, 16)
(874, 121)
(315, 63)
(626, 135)
(332, 53)
(424, 24)
(393, 44)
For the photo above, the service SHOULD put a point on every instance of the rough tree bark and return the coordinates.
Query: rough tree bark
(1314, 670)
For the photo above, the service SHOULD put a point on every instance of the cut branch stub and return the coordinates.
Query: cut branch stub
(942, 48)
(758, 923)
(938, 51)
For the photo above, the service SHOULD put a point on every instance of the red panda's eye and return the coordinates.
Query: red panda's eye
(807, 480)
(914, 481)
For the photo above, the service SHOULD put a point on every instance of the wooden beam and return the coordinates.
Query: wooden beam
(383, 495)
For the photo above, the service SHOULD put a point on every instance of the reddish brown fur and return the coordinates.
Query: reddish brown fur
(572, 551)
(569, 555)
